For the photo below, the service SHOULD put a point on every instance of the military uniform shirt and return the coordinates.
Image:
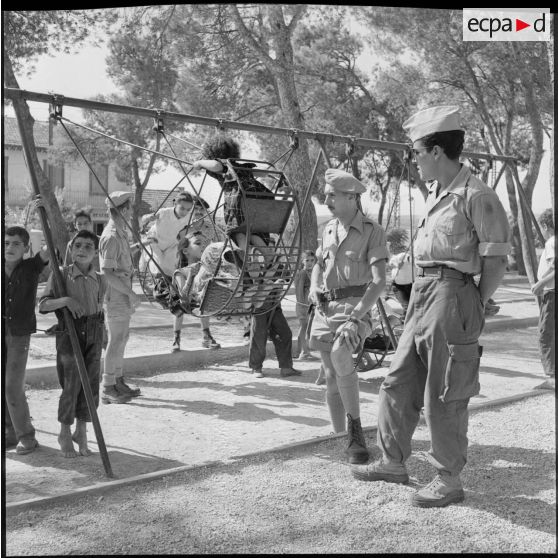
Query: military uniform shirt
(114, 252)
(346, 256)
(463, 223)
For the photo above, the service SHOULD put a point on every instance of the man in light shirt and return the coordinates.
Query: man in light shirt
(544, 288)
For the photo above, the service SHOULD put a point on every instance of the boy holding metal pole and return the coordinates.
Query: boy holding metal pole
(85, 288)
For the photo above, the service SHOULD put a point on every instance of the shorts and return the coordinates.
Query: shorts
(323, 328)
(118, 305)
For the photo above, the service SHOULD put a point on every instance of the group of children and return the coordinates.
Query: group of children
(84, 292)
(193, 238)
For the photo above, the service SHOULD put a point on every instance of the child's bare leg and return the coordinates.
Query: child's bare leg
(80, 437)
(65, 441)
(177, 322)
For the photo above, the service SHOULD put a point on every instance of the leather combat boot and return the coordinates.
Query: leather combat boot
(110, 395)
(123, 388)
(442, 491)
(356, 445)
(381, 471)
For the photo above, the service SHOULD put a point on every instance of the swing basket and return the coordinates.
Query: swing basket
(215, 298)
(266, 213)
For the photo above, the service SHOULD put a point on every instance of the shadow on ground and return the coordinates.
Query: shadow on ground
(45, 472)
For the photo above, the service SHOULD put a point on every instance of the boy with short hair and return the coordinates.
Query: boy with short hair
(82, 222)
(85, 289)
(21, 278)
(544, 288)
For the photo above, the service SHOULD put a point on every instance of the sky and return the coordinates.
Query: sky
(84, 75)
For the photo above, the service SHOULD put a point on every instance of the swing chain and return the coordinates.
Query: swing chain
(55, 108)
(159, 126)
(293, 139)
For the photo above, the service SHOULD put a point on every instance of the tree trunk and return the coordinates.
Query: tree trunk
(383, 196)
(55, 220)
(138, 193)
(516, 237)
(282, 69)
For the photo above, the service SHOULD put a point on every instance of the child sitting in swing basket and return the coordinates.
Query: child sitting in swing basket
(215, 153)
(191, 280)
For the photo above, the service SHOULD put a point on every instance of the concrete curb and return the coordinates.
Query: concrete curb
(17, 507)
(149, 364)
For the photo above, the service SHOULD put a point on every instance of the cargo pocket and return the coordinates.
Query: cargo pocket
(461, 380)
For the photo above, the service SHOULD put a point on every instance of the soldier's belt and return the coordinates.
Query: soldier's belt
(441, 271)
(343, 292)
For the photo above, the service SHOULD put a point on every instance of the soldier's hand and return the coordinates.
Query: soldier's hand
(134, 300)
(348, 333)
(537, 289)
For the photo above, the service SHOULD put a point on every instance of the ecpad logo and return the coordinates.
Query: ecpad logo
(500, 24)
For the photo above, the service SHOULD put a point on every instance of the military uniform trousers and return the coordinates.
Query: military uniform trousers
(436, 365)
(72, 403)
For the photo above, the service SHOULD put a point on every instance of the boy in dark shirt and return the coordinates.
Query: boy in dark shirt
(21, 278)
(85, 289)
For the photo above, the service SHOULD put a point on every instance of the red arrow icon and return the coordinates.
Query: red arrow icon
(519, 24)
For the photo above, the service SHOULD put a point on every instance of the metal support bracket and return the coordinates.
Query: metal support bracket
(55, 107)
(293, 138)
(159, 126)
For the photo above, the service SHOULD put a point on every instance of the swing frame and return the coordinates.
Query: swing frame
(404, 149)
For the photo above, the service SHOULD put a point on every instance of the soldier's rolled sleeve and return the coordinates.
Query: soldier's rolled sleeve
(491, 224)
(377, 247)
(108, 252)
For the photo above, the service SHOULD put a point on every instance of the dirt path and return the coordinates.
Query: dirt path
(305, 501)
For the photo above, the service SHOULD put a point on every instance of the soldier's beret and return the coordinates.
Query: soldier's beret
(344, 182)
(442, 118)
(118, 198)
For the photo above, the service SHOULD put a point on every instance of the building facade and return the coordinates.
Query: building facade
(76, 183)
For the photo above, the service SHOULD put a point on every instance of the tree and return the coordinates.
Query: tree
(27, 35)
(505, 86)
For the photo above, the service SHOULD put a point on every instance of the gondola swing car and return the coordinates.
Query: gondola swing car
(261, 275)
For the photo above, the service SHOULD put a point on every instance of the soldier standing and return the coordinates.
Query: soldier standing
(120, 300)
(347, 280)
(464, 232)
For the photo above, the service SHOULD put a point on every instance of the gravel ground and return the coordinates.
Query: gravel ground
(305, 501)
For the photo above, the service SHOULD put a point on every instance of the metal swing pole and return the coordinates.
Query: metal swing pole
(60, 291)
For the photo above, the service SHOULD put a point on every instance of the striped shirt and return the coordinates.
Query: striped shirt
(87, 289)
